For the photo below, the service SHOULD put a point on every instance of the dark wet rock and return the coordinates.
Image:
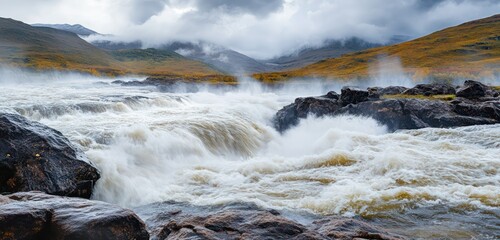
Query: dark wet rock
(413, 114)
(400, 113)
(332, 95)
(348, 228)
(431, 89)
(351, 95)
(391, 90)
(170, 220)
(487, 109)
(117, 82)
(35, 215)
(36, 157)
(290, 115)
(474, 90)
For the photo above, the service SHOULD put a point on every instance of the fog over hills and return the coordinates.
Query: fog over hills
(444, 55)
(233, 62)
(47, 48)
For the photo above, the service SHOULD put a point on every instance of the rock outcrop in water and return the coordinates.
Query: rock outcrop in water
(36, 157)
(475, 104)
(35, 215)
(170, 220)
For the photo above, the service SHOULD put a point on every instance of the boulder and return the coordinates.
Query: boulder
(332, 95)
(301, 108)
(391, 90)
(36, 215)
(413, 114)
(351, 95)
(474, 90)
(171, 220)
(36, 157)
(487, 109)
(400, 113)
(348, 228)
(431, 89)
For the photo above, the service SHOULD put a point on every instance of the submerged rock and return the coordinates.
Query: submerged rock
(36, 157)
(35, 215)
(482, 107)
(170, 220)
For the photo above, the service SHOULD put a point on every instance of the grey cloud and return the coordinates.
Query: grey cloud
(429, 4)
(254, 7)
(142, 10)
(258, 28)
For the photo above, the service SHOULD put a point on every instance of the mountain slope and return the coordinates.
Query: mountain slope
(48, 48)
(75, 28)
(330, 49)
(44, 48)
(224, 59)
(469, 50)
(218, 57)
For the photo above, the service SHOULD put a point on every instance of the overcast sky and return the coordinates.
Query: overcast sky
(258, 28)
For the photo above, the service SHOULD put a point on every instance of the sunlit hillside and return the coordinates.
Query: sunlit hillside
(469, 50)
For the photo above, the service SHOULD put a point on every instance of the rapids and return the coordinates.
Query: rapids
(215, 147)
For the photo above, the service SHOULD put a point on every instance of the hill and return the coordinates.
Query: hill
(75, 28)
(469, 50)
(44, 48)
(329, 49)
(224, 59)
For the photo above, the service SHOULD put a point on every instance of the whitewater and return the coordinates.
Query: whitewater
(217, 146)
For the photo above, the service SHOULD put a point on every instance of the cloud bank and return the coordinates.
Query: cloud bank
(258, 28)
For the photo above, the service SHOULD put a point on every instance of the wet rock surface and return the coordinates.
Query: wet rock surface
(350, 95)
(171, 220)
(475, 104)
(36, 157)
(36, 215)
(475, 90)
(430, 89)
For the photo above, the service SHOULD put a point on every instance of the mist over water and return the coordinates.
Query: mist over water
(215, 147)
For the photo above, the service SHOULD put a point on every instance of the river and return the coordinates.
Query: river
(217, 146)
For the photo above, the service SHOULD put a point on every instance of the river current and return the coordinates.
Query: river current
(216, 146)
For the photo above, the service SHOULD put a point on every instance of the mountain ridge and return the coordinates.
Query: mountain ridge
(74, 28)
(468, 50)
(45, 48)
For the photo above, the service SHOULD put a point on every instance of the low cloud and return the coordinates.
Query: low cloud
(259, 28)
(141, 11)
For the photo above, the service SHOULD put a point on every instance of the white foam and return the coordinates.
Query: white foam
(214, 147)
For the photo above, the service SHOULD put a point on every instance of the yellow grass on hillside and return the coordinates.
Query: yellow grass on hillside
(469, 50)
(41, 48)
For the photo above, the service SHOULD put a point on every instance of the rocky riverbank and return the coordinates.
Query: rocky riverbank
(45, 181)
(401, 108)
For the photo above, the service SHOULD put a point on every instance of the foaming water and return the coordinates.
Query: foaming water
(215, 147)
